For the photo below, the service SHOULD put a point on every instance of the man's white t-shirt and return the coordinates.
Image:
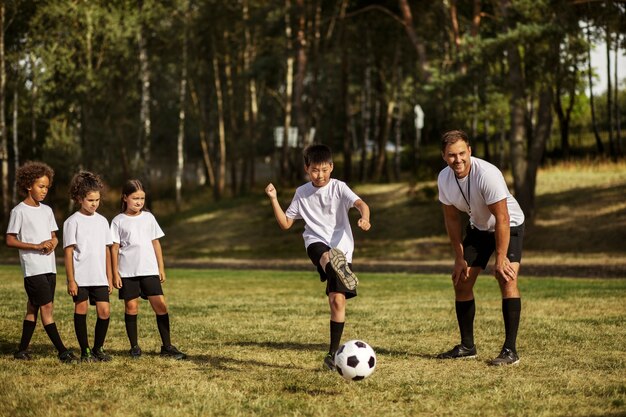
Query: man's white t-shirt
(34, 225)
(135, 235)
(325, 214)
(486, 186)
(90, 236)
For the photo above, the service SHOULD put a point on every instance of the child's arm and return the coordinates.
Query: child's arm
(159, 256)
(115, 251)
(72, 288)
(364, 221)
(109, 274)
(45, 247)
(283, 221)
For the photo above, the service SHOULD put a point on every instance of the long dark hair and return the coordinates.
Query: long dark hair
(129, 187)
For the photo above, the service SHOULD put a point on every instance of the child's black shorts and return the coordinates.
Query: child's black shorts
(99, 293)
(315, 252)
(143, 286)
(478, 246)
(40, 288)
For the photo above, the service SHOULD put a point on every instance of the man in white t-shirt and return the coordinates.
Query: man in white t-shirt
(496, 224)
(323, 204)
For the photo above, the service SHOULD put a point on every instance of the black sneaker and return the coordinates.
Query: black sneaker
(339, 264)
(22, 355)
(171, 352)
(135, 352)
(506, 357)
(68, 357)
(459, 352)
(329, 362)
(87, 356)
(101, 355)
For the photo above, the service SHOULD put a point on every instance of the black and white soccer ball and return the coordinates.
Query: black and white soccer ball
(355, 360)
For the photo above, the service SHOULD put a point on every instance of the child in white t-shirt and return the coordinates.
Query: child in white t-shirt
(32, 230)
(138, 268)
(86, 240)
(323, 204)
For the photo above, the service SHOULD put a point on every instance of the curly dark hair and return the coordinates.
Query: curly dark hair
(30, 172)
(84, 183)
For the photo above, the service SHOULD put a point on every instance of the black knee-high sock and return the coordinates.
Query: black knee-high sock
(28, 328)
(336, 330)
(163, 323)
(465, 312)
(53, 334)
(131, 328)
(80, 327)
(511, 310)
(102, 325)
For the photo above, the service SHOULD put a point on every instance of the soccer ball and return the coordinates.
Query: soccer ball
(355, 360)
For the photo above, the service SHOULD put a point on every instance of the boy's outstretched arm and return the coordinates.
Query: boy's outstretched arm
(283, 221)
(364, 221)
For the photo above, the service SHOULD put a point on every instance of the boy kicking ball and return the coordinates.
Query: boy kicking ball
(323, 204)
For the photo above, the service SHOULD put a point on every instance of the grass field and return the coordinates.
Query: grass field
(256, 340)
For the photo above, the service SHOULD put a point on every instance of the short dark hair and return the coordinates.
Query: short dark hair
(129, 187)
(30, 172)
(453, 136)
(84, 183)
(317, 154)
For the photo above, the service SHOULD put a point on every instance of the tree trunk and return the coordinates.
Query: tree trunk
(618, 127)
(418, 43)
(251, 105)
(233, 145)
(180, 166)
(284, 164)
(16, 148)
(366, 111)
(303, 134)
(204, 136)
(517, 117)
(4, 153)
(221, 177)
(144, 140)
(609, 92)
(594, 122)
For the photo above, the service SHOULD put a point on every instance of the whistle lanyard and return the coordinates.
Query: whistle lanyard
(467, 200)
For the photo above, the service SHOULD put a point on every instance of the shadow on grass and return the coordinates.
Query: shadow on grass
(230, 364)
(282, 345)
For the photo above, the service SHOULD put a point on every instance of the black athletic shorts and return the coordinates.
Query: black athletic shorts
(40, 288)
(99, 293)
(315, 252)
(143, 286)
(478, 246)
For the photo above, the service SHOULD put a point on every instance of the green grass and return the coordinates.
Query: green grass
(256, 341)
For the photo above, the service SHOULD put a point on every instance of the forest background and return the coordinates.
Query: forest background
(195, 97)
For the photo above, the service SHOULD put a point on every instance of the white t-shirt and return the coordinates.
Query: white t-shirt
(90, 236)
(486, 186)
(325, 213)
(135, 235)
(33, 225)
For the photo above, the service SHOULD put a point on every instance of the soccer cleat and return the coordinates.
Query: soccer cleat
(171, 352)
(459, 352)
(22, 355)
(329, 362)
(88, 356)
(339, 264)
(101, 355)
(135, 352)
(68, 357)
(506, 357)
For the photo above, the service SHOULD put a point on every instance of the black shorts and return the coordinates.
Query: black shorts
(478, 246)
(40, 288)
(143, 286)
(99, 293)
(334, 284)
